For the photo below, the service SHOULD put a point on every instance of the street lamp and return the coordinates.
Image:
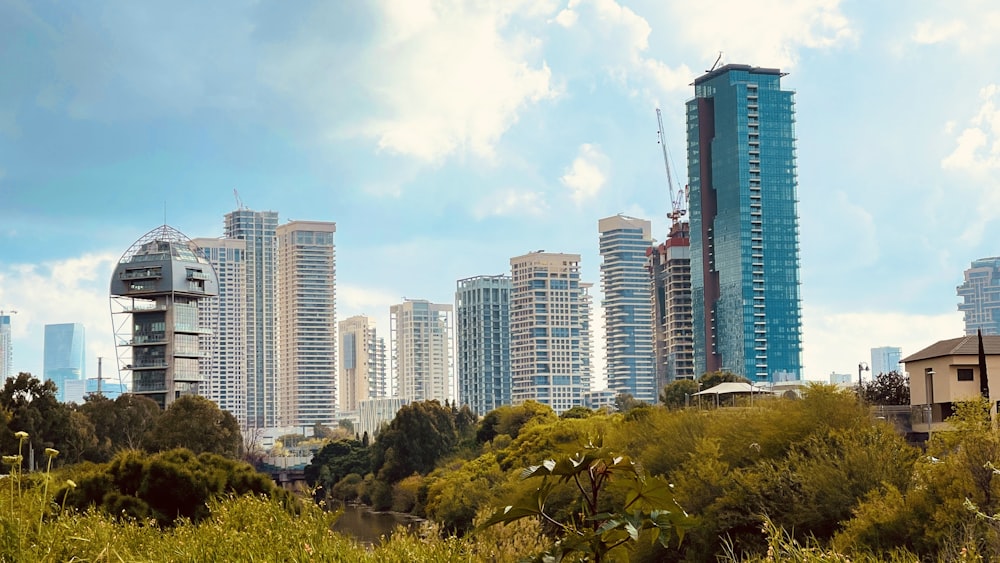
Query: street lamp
(862, 367)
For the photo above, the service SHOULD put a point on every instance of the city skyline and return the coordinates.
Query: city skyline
(445, 178)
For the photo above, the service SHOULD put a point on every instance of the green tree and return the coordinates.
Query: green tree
(713, 378)
(625, 402)
(31, 406)
(163, 486)
(420, 434)
(577, 412)
(679, 393)
(198, 424)
(119, 424)
(891, 388)
(510, 420)
(336, 460)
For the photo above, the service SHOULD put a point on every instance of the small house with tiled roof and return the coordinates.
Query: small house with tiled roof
(948, 372)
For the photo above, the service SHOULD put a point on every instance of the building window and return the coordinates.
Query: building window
(965, 374)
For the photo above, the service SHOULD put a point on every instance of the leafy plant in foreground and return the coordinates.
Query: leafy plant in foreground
(648, 505)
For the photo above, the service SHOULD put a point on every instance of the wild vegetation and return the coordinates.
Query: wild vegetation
(817, 478)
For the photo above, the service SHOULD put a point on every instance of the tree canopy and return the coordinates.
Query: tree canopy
(198, 424)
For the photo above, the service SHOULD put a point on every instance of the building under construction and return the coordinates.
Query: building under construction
(154, 297)
(669, 266)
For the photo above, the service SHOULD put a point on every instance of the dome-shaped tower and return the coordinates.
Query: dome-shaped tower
(154, 303)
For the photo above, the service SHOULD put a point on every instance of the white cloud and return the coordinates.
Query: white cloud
(978, 145)
(617, 38)
(512, 202)
(836, 340)
(587, 174)
(66, 291)
(970, 25)
(929, 32)
(356, 300)
(976, 157)
(864, 240)
(767, 33)
(450, 80)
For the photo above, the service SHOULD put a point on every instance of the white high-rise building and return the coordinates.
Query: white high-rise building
(421, 339)
(307, 325)
(258, 230)
(628, 306)
(886, 359)
(225, 347)
(550, 330)
(6, 347)
(362, 362)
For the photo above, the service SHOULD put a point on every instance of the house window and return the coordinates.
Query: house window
(965, 374)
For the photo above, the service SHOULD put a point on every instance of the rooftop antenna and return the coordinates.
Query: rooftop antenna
(716, 63)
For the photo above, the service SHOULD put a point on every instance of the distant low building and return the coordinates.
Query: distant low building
(373, 413)
(841, 378)
(600, 398)
(77, 390)
(948, 372)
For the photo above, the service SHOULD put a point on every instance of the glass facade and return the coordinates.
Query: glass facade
(980, 294)
(259, 231)
(482, 332)
(628, 307)
(744, 224)
(65, 357)
(6, 347)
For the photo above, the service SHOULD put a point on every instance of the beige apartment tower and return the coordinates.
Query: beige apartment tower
(362, 362)
(422, 334)
(550, 330)
(307, 339)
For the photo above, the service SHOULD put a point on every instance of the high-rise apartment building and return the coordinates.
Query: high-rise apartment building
(6, 347)
(225, 346)
(549, 330)
(362, 362)
(980, 294)
(744, 224)
(259, 231)
(307, 325)
(886, 359)
(421, 337)
(482, 335)
(673, 329)
(628, 306)
(155, 291)
(65, 355)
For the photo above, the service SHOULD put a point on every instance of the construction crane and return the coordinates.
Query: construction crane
(678, 198)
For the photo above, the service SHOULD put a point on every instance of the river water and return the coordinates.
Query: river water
(369, 527)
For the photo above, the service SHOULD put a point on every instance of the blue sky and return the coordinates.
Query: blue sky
(444, 137)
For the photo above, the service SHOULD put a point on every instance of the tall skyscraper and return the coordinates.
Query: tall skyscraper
(980, 295)
(886, 359)
(307, 326)
(155, 291)
(65, 355)
(362, 362)
(225, 346)
(628, 306)
(673, 333)
(421, 339)
(482, 335)
(744, 225)
(6, 347)
(550, 352)
(259, 231)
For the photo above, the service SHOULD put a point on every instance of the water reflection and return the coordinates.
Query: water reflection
(368, 527)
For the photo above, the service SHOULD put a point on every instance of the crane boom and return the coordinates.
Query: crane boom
(678, 209)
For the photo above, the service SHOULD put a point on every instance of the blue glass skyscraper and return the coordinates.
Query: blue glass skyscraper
(628, 306)
(744, 224)
(482, 335)
(65, 355)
